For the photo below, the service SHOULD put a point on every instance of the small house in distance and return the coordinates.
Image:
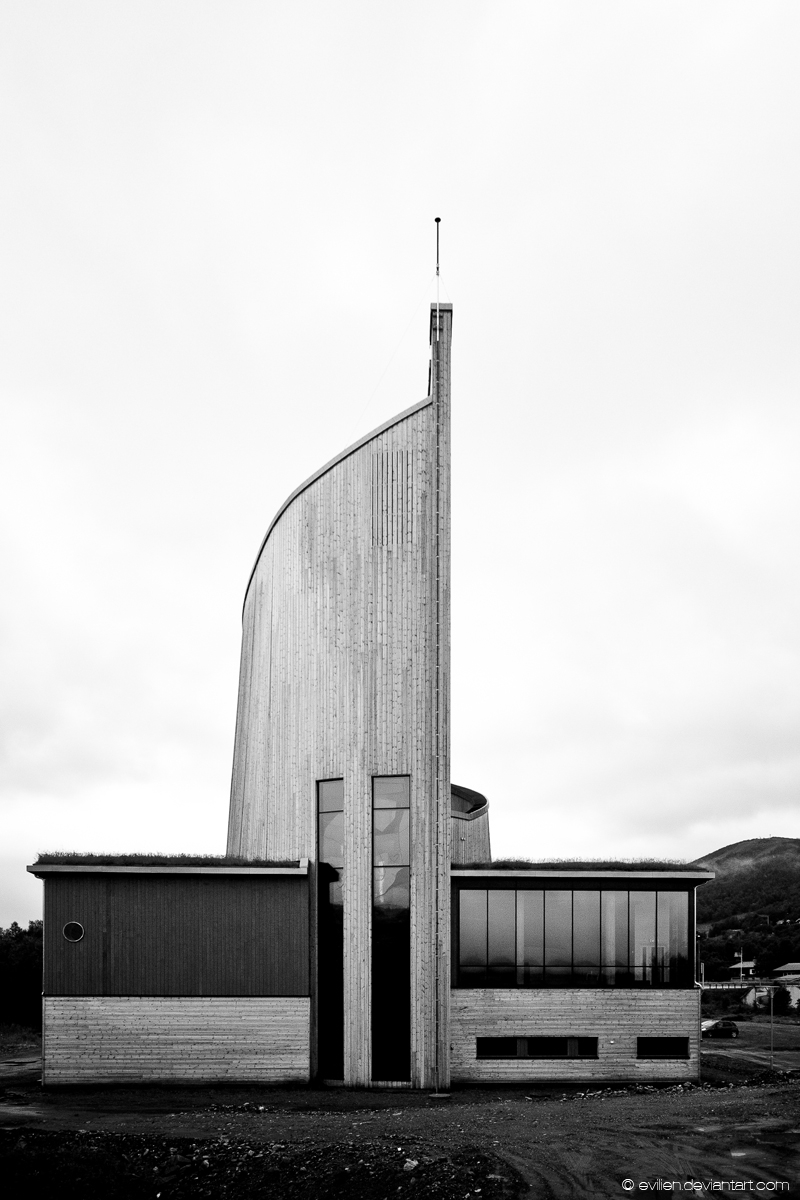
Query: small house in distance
(789, 971)
(742, 969)
(357, 931)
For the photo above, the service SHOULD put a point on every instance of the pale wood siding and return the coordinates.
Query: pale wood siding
(345, 673)
(615, 1017)
(104, 1039)
(471, 839)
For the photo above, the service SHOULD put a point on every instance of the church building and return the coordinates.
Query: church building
(357, 932)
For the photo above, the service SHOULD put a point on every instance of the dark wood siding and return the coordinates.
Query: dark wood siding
(168, 936)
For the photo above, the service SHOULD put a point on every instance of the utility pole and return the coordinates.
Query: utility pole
(771, 1032)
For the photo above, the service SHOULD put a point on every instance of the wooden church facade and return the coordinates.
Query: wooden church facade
(349, 936)
(342, 752)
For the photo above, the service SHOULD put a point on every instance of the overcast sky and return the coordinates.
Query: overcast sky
(217, 256)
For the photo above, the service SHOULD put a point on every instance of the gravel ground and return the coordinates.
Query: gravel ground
(88, 1165)
(276, 1144)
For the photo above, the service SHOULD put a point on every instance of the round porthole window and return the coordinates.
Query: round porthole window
(73, 931)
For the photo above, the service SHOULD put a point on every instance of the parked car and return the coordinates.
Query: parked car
(720, 1028)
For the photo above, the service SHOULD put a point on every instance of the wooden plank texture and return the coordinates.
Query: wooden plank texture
(616, 1017)
(470, 838)
(173, 936)
(130, 1039)
(345, 673)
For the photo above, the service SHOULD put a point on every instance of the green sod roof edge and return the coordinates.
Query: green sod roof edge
(73, 858)
(69, 858)
(569, 864)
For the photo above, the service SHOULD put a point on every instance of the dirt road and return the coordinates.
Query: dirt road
(487, 1143)
(760, 1043)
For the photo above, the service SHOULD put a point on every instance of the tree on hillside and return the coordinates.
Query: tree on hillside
(719, 954)
(765, 887)
(781, 1002)
(21, 975)
(775, 949)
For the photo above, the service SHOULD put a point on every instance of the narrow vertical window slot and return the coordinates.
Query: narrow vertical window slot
(391, 929)
(642, 936)
(330, 957)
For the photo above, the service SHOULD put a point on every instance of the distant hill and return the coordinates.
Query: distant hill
(747, 854)
(761, 875)
(757, 892)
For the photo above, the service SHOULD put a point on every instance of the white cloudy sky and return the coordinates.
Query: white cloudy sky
(217, 227)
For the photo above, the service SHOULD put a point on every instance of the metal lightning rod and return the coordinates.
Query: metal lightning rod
(437, 220)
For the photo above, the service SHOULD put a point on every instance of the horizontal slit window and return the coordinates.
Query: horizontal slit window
(662, 1047)
(497, 1047)
(536, 1047)
(568, 1047)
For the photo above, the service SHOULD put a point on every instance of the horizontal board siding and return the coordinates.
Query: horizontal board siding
(616, 1019)
(171, 936)
(115, 1039)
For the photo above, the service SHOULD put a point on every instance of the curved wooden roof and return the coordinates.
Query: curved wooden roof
(340, 457)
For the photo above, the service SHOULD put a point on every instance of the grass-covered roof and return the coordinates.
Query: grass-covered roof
(584, 864)
(70, 858)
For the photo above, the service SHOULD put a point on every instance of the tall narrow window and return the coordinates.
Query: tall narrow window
(330, 986)
(586, 938)
(642, 936)
(502, 938)
(672, 920)
(557, 938)
(472, 938)
(614, 952)
(391, 929)
(530, 938)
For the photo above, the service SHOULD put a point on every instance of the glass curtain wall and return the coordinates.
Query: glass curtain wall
(572, 938)
(330, 958)
(391, 929)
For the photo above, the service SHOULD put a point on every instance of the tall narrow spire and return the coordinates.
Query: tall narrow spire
(437, 220)
(438, 849)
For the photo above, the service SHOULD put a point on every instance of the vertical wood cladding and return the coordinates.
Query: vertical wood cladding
(167, 936)
(392, 498)
(130, 1039)
(470, 838)
(345, 673)
(615, 1017)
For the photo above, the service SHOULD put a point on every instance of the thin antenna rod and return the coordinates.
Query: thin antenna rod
(437, 220)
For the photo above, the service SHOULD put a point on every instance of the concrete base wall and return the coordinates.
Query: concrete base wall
(134, 1039)
(615, 1017)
